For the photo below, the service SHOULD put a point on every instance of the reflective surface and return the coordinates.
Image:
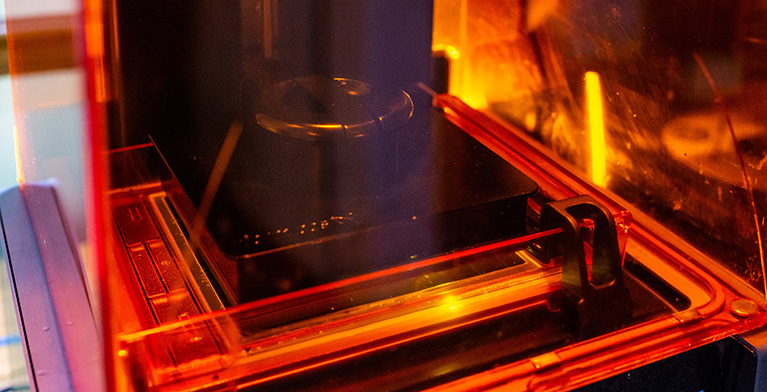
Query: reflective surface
(683, 95)
(293, 199)
(284, 198)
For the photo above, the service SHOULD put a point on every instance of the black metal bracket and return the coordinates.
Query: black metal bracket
(597, 302)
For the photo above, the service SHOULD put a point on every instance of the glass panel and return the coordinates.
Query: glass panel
(296, 194)
(660, 102)
(293, 199)
(498, 294)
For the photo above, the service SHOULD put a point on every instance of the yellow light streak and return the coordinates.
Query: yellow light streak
(596, 129)
(451, 304)
(17, 152)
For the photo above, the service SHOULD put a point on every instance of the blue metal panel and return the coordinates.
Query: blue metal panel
(39, 331)
(56, 323)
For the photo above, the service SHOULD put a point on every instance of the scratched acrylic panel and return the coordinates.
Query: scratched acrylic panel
(293, 200)
(661, 102)
(371, 194)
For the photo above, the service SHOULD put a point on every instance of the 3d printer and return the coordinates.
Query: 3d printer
(413, 194)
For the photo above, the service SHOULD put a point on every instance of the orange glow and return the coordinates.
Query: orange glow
(596, 129)
(451, 304)
(93, 26)
(450, 50)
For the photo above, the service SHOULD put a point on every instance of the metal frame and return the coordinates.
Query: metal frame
(56, 324)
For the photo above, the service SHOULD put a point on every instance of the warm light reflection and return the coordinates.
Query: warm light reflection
(95, 38)
(596, 129)
(449, 50)
(451, 304)
(472, 95)
(17, 152)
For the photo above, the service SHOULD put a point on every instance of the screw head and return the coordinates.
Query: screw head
(743, 307)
